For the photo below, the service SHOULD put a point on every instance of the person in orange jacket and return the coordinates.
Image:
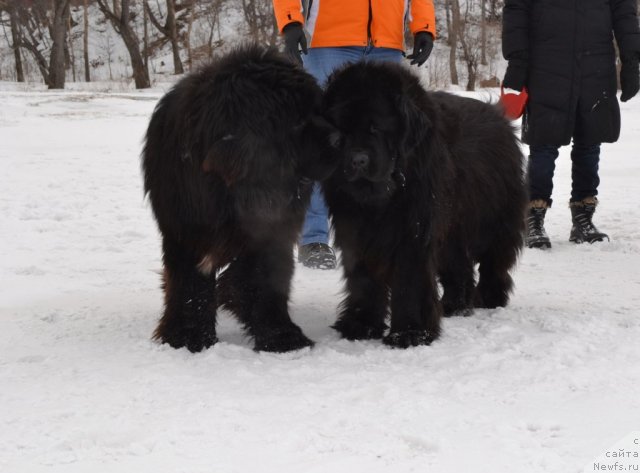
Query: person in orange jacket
(331, 33)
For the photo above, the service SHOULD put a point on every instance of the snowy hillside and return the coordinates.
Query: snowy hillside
(545, 385)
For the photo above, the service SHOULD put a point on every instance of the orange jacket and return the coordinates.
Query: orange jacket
(334, 23)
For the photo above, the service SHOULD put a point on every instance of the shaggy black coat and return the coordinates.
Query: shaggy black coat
(227, 162)
(571, 62)
(430, 184)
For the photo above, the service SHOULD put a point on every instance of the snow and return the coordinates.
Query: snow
(544, 385)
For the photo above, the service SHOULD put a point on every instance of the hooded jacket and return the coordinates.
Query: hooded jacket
(568, 49)
(336, 23)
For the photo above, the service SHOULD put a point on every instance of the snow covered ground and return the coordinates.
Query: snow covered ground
(545, 385)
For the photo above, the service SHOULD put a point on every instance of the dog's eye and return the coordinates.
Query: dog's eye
(373, 129)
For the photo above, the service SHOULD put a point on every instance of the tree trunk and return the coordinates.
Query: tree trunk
(145, 37)
(483, 33)
(15, 39)
(85, 43)
(173, 37)
(469, 47)
(471, 78)
(58, 35)
(109, 50)
(453, 39)
(72, 53)
(140, 72)
(188, 37)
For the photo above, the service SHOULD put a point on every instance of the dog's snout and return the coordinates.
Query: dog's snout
(360, 161)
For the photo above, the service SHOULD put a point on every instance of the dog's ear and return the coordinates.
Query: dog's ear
(333, 115)
(320, 142)
(224, 159)
(415, 121)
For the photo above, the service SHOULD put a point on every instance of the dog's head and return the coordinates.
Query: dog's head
(263, 121)
(253, 122)
(375, 108)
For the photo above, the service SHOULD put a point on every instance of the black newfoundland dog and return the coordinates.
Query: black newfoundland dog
(229, 155)
(430, 185)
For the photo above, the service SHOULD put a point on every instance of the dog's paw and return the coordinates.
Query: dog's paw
(353, 329)
(409, 338)
(452, 311)
(458, 305)
(194, 338)
(282, 340)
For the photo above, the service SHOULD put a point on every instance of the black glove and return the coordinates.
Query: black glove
(422, 46)
(294, 41)
(629, 77)
(516, 76)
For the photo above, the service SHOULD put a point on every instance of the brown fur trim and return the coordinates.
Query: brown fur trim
(538, 204)
(586, 201)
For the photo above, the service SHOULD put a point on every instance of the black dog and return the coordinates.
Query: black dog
(229, 155)
(430, 185)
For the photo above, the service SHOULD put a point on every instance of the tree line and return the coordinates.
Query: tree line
(48, 33)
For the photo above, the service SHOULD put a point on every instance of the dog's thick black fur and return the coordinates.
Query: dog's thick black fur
(430, 184)
(229, 154)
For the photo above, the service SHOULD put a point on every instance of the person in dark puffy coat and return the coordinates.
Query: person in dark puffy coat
(563, 52)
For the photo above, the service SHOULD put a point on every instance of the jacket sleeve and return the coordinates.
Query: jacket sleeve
(423, 17)
(515, 29)
(625, 26)
(287, 11)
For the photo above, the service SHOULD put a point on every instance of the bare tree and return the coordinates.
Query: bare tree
(467, 38)
(69, 47)
(470, 43)
(121, 17)
(58, 29)
(31, 39)
(169, 30)
(470, 56)
(10, 7)
(33, 34)
(453, 28)
(483, 32)
(40, 27)
(107, 47)
(205, 36)
(260, 20)
(145, 38)
(496, 9)
(85, 42)
(187, 38)
(213, 19)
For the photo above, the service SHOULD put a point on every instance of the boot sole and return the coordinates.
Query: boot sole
(579, 241)
(540, 243)
(540, 246)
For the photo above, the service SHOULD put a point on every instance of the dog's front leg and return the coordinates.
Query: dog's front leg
(415, 307)
(364, 309)
(189, 318)
(256, 288)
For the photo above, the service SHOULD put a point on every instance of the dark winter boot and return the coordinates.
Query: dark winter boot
(536, 235)
(317, 256)
(583, 228)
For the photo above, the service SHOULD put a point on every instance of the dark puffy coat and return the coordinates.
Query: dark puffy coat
(567, 47)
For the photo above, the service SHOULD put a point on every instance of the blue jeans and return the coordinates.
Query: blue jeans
(320, 63)
(584, 171)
